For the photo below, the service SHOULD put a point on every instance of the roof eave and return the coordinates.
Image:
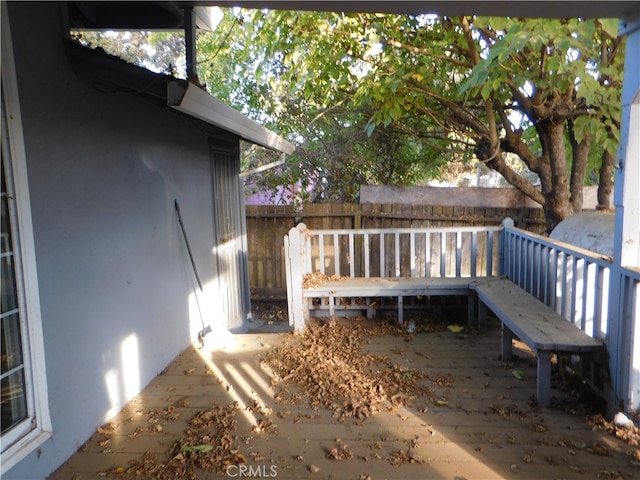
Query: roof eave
(197, 103)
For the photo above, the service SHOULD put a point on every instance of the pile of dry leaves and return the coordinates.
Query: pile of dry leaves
(207, 445)
(325, 365)
(314, 279)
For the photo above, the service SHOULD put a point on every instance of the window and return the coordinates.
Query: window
(24, 412)
(12, 375)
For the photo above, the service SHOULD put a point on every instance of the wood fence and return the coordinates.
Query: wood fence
(268, 224)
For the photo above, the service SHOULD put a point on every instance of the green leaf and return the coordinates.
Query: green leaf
(610, 25)
(486, 90)
(395, 112)
(204, 448)
(520, 375)
(371, 126)
(455, 328)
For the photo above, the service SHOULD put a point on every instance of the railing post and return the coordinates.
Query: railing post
(296, 265)
(504, 252)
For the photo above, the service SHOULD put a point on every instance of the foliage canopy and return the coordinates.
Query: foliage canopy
(393, 99)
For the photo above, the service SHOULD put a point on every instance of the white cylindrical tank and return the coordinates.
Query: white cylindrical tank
(589, 230)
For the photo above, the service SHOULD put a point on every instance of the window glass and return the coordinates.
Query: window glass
(13, 387)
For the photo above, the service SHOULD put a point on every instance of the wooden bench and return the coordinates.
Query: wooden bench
(543, 330)
(398, 287)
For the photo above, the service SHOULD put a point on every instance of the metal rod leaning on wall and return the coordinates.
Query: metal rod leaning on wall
(186, 241)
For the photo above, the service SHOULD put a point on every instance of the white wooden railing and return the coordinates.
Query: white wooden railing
(401, 252)
(572, 281)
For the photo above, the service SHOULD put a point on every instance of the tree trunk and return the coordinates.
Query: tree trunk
(558, 198)
(580, 155)
(605, 184)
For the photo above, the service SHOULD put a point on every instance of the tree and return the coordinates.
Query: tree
(334, 154)
(545, 90)
(443, 89)
(333, 159)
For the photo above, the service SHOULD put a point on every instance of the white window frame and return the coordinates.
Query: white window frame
(36, 428)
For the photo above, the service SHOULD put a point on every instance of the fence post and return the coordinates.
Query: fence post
(296, 259)
(504, 246)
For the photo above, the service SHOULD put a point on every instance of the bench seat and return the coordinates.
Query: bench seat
(542, 329)
(389, 287)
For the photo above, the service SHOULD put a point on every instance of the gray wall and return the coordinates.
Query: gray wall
(114, 277)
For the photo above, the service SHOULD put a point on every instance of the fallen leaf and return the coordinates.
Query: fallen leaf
(455, 328)
(520, 375)
(197, 448)
(108, 428)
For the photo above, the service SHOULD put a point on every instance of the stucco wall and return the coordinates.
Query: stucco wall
(114, 277)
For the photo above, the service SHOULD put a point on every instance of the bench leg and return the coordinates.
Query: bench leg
(400, 310)
(332, 306)
(544, 378)
(371, 311)
(471, 309)
(482, 316)
(507, 338)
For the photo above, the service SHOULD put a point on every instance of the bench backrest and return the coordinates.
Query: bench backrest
(402, 252)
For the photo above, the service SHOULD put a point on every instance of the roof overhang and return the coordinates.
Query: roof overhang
(138, 15)
(111, 73)
(496, 8)
(170, 15)
(194, 101)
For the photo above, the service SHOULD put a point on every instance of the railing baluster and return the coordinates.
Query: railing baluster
(336, 254)
(545, 274)
(490, 253)
(599, 299)
(443, 254)
(383, 267)
(458, 253)
(396, 246)
(367, 272)
(474, 258)
(588, 296)
(530, 265)
(412, 254)
(535, 269)
(427, 254)
(553, 280)
(574, 290)
(563, 286)
(518, 260)
(308, 255)
(320, 253)
(352, 263)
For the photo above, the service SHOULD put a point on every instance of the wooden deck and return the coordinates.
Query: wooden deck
(483, 425)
